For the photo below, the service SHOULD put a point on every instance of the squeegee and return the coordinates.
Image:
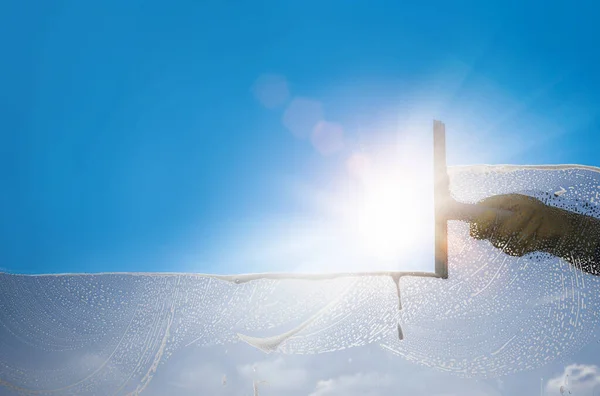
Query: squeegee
(446, 208)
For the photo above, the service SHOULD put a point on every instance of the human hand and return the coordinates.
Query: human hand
(532, 226)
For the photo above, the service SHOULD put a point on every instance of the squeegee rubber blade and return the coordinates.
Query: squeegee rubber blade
(441, 193)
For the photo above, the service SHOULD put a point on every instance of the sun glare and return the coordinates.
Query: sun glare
(387, 218)
(390, 215)
(379, 215)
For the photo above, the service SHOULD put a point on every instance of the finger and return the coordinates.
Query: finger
(507, 234)
(517, 235)
(498, 243)
(527, 240)
(483, 226)
(507, 246)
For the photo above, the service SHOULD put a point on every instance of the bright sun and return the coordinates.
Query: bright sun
(379, 216)
(387, 218)
(390, 215)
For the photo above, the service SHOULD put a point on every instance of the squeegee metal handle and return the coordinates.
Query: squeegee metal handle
(471, 212)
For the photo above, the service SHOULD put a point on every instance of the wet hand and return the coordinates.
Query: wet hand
(532, 226)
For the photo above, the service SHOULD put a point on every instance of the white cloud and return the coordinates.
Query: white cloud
(277, 374)
(367, 384)
(579, 379)
(381, 384)
(363, 371)
(206, 377)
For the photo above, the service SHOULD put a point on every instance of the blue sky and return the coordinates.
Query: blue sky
(152, 136)
(132, 139)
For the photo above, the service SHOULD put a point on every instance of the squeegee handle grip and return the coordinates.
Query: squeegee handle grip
(470, 212)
